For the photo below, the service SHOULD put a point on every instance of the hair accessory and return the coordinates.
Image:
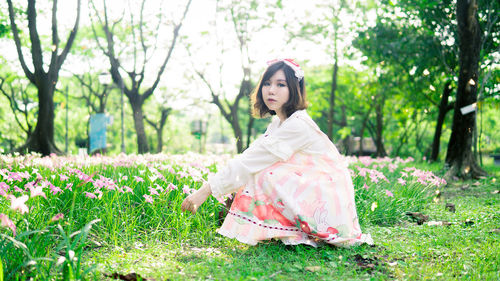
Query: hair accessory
(299, 73)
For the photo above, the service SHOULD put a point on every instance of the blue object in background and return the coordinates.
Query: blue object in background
(98, 124)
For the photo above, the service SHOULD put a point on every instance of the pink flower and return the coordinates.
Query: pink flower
(158, 187)
(153, 191)
(374, 178)
(18, 204)
(85, 178)
(388, 193)
(127, 189)
(3, 193)
(124, 178)
(4, 219)
(29, 185)
(69, 186)
(362, 171)
(148, 198)
(4, 186)
(57, 217)
(54, 189)
(138, 179)
(401, 181)
(171, 186)
(365, 186)
(37, 191)
(63, 177)
(392, 167)
(90, 195)
(187, 190)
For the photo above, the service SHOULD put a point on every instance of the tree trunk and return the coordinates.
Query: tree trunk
(379, 142)
(163, 120)
(459, 157)
(362, 131)
(331, 110)
(443, 109)
(238, 134)
(42, 139)
(142, 141)
(249, 125)
(343, 124)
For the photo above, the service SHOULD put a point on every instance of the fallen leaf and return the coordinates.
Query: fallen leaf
(450, 207)
(419, 217)
(365, 262)
(477, 183)
(127, 277)
(468, 222)
(392, 263)
(496, 230)
(313, 268)
(495, 191)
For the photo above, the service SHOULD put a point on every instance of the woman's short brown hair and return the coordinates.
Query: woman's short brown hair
(297, 94)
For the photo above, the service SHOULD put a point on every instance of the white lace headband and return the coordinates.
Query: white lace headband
(299, 73)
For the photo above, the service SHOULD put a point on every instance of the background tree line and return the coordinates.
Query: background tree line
(401, 79)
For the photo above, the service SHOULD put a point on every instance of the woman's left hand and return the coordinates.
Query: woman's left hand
(193, 201)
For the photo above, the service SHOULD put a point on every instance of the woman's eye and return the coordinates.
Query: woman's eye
(266, 83)
(281, 85)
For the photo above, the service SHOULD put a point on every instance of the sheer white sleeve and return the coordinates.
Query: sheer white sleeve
(278, 145)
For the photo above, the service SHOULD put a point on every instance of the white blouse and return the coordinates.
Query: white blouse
(280, 141)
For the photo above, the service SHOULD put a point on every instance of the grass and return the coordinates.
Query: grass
(406, 251)
(155, 240)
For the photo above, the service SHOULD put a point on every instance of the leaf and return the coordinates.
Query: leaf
(127, 277)
(419, 217)
(450, 207)
(1, 270)
(313, 268)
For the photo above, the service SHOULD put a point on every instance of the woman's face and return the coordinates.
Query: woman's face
(275, 92)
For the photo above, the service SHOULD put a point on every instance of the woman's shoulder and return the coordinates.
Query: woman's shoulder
(301, 116)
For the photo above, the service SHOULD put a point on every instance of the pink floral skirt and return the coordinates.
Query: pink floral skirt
(308, 199)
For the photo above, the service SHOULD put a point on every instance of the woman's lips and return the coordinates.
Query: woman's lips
(271, 100)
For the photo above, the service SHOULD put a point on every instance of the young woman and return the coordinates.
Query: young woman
(292, 184)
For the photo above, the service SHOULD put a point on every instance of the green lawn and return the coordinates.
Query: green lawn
(468, 249)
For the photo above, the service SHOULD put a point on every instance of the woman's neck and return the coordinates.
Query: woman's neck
(281, 115)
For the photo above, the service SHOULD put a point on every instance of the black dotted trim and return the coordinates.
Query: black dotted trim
(263, 225)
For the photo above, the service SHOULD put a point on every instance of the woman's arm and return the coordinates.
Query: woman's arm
(293, 135)
(193, 201)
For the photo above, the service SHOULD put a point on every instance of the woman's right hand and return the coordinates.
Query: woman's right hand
(193, 201)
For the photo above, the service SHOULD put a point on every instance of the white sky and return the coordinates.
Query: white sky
(264, 45)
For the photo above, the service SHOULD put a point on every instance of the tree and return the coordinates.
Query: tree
(42, 139)
(418, 37)
(93, 93)
(246, 21)
(459, 156)
(159, 125)
(19, 101)
(134, 89)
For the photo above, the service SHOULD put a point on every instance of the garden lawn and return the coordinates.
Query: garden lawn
(69, 218)
(468, 248)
